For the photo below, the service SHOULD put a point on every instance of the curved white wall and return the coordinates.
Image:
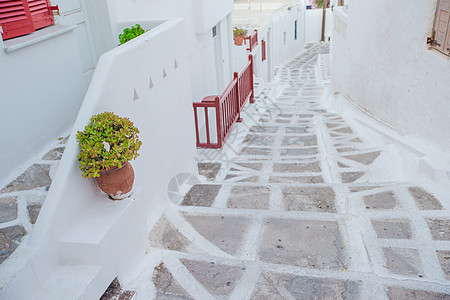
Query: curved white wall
(382, 63)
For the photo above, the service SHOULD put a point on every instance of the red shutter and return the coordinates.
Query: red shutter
(19, 17)
(263, 49)
(15, 18)
(40, 13)
(442, 26)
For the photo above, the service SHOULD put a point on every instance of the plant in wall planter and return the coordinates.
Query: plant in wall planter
(130, 33)
(239, 35)
(107, 145)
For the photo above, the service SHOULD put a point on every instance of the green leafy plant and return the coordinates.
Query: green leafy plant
(108, 141)
(130, 33)
(319, 3)
(239, 31)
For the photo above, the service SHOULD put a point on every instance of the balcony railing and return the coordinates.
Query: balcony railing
(226, 108)
(252, 40)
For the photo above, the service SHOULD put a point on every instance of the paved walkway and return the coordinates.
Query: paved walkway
(297, 214)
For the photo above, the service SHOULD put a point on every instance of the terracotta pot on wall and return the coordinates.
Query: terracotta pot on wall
(117, 182)
(238, 40)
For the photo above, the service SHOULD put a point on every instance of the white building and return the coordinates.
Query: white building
(383, 65)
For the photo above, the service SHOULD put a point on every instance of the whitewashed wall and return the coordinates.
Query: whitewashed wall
(313, 25)
(82, 239)
(41, 90)
(284, 45)
(200, 17)
(381, 62)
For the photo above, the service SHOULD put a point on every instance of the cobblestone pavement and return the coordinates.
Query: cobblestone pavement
(296, 216)
(21, 200)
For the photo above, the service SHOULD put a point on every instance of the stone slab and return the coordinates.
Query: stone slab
(392, 228)
(54, 154)
(35, 176)
(8, 209)
(201, 195)
(444, 260)
(255, 151)
(349, 177)
(365, 158)
(249, 197)
(10, 238)
(226, 232)
(296, 179)
(296, 167)
(209, 170)
(308, 140)
(401, 293)
(258, 140)
(264, 129)
(115, 292)
(302, 243)
(218, 279)
(166, 236)
(297, 152)
(33, 209)
(440, 229)
(276, 286)
(381, 201)
(403, 261)
(309, 199)
(166, 285)
(424, 200)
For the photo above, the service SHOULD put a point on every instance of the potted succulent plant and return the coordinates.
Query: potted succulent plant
(239, 35)
(107, 145)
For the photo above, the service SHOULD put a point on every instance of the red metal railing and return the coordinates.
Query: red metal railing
(227, 108)
(252, 40)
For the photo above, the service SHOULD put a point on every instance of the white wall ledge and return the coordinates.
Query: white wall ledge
(36, 37)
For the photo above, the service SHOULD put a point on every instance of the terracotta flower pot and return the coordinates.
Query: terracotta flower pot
(238, 40)
(117, 182)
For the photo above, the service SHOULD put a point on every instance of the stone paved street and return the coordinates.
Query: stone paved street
(306, 208)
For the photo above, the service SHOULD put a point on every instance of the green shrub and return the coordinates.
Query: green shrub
(130, 33)
(239, 31)
(108, 141)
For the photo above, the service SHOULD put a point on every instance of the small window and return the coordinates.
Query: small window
(440, 39)
(295, 30)
(214, 31)
(284, 37)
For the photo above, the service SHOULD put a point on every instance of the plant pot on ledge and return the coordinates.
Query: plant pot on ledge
(239, 34)
(117, 182)
(107, 145)
(239, 40)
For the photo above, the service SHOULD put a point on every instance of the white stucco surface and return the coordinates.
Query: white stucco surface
(313, 24)
(78, 225)
(38, 105)
(382, 64)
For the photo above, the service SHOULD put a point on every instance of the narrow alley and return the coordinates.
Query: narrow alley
(304, 208)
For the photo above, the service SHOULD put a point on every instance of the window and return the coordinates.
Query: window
(295, 30)
(440, 39)
(214, 31)
(20, 17)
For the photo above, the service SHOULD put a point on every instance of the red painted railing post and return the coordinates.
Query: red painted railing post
(238, 96)
(218, 122)
(252, 97)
